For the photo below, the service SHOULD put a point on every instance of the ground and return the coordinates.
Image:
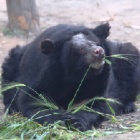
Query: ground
(123, 16)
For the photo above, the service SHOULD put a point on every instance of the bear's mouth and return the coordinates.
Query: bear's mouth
(98, 64)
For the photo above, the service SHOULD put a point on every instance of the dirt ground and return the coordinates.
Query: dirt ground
(123, 16)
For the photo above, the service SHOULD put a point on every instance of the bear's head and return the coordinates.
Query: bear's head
(83, 48)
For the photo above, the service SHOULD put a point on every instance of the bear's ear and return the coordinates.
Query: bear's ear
(47, 46)
(102, 31)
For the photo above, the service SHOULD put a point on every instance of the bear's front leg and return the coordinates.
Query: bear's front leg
(30, 108)
(74, 122)
(95, 116)
(89, 119)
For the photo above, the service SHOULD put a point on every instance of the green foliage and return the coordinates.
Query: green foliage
(18, 127)
(138, 97)
(7, 31)
(11, 86)
(120, 56)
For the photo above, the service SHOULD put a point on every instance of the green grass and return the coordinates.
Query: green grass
(17, 127)
(125, 57)
(138, 97)
(8, 32)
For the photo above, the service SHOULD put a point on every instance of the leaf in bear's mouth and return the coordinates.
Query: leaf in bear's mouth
(107, 61)
(120, 56)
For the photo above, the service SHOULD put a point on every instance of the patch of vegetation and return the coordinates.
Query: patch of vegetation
(8, 32)
(138, 97)
(125, 57)
(17, 127)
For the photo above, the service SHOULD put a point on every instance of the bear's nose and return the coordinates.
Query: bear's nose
(99, 52)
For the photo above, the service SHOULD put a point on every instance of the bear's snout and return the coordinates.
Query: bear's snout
(99, 52)
(95, 57)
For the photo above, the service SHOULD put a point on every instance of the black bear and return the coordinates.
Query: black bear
(54, 65)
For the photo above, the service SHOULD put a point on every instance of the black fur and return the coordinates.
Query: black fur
(54, 65)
